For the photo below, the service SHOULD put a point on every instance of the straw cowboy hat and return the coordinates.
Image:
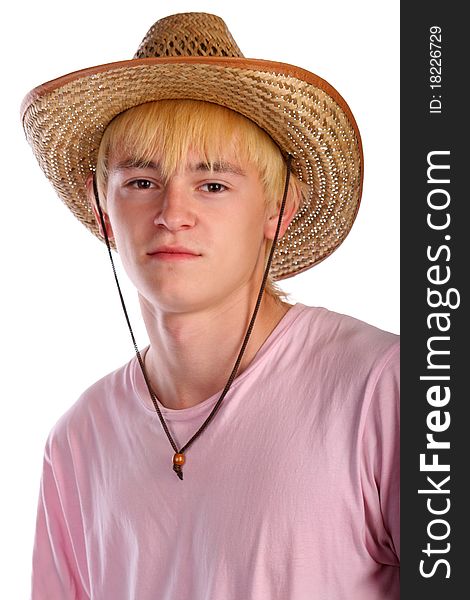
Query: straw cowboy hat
(194, 56)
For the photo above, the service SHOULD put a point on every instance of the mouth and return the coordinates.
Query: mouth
(173, 253)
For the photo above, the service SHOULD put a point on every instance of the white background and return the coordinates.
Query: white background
(62, 326)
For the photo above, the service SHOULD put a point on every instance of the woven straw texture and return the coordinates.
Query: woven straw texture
(64, 121)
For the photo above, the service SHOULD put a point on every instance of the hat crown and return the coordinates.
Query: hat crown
(188, 34)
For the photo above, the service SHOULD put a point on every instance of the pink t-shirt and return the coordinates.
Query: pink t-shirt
(291, 493)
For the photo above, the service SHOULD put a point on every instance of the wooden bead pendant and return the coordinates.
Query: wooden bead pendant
(178, 461)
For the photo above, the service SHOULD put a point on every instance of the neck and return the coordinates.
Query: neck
(192, 354)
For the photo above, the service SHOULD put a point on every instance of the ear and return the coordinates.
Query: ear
(291, 207)
(92, 201)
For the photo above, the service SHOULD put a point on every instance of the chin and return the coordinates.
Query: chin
(173, 298)
(184, 294)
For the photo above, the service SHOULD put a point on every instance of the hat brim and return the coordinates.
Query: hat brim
(65, 119)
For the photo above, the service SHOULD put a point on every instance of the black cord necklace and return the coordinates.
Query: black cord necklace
(179, 457)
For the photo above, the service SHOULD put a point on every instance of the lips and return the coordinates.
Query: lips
(173, 250)
(173, 253)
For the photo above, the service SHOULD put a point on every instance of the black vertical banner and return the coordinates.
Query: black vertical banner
(435, 259)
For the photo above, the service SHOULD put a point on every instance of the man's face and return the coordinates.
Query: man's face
(194, 241)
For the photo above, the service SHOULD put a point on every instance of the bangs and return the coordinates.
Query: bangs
(170, 129)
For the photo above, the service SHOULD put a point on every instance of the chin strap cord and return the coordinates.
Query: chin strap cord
(179, 453)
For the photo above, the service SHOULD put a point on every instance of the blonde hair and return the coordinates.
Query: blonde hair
(174, 127)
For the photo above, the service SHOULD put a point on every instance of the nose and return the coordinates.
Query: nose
(175, 211)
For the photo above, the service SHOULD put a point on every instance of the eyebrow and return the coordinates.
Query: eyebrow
(220, 167)
(217, 167)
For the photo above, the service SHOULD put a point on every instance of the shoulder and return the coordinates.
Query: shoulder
(93, 410)
(339, 363)
(343, 338)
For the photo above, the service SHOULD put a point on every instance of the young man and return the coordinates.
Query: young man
(251, 451)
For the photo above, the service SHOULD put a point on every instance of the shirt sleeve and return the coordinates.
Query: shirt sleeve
(55, 571)
(380, 470)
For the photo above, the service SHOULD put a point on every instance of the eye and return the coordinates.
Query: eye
(213, 187)
(141, 184)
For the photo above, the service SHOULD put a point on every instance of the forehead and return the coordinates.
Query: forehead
(169, 132)
(122, 161)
